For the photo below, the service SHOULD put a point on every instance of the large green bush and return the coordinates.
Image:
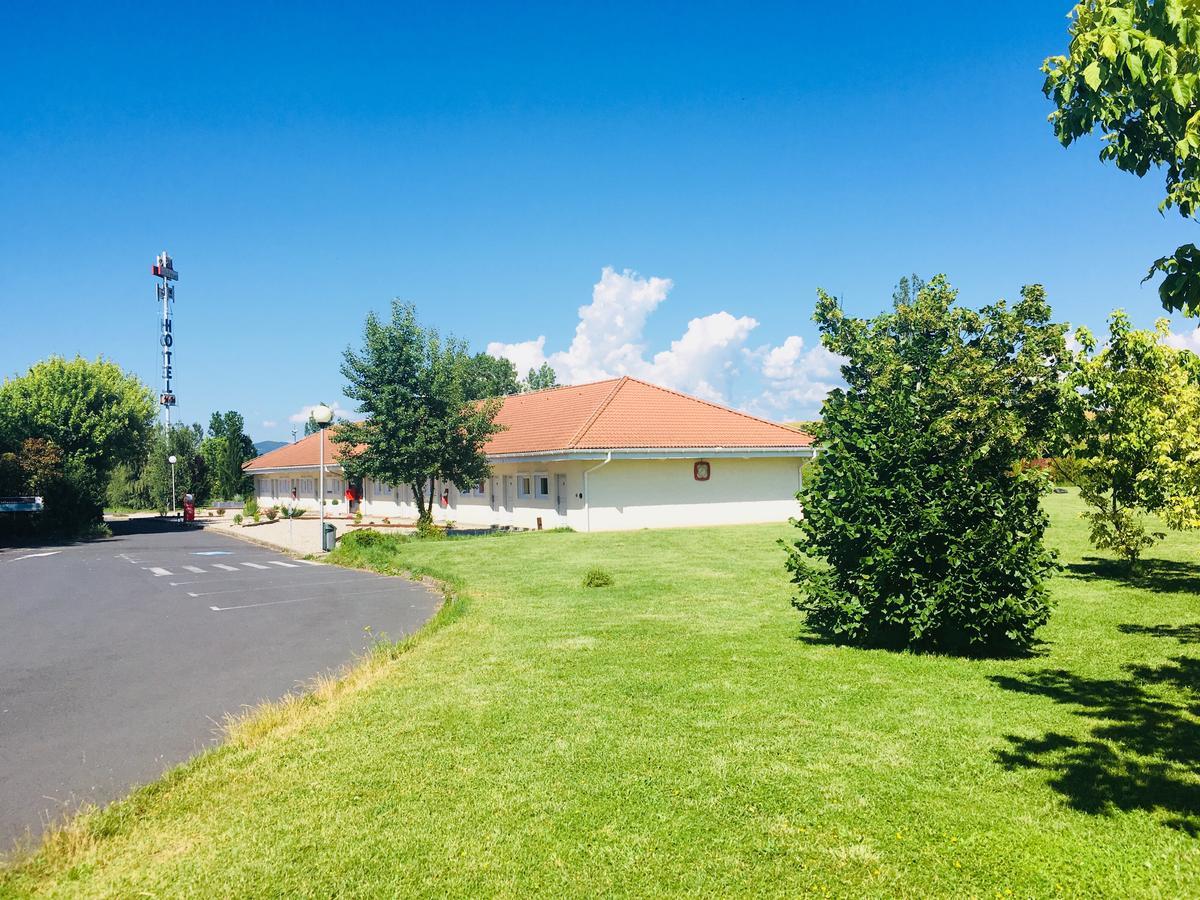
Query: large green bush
(64, 426)
(920, 528)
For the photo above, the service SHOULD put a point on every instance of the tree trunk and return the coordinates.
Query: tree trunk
(424, 507)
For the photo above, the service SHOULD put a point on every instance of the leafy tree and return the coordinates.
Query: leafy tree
(230, 449)
(191, 469)
(311, 426)
(1132, 72)
(1134, 416)
(213, 450)
(422, 422)
(491, 376)
(92, 413)
(539, 379)
(907, 289)
(929, 531)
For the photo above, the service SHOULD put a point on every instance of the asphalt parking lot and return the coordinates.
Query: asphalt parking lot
(120, 658)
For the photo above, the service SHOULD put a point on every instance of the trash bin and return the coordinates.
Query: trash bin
(328, 536)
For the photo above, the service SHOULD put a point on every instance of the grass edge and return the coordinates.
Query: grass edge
(69, 840)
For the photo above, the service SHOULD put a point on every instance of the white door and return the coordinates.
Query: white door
(560, 481)
(509, 490)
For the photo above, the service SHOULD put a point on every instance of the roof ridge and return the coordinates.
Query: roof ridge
(559, 387)
(728, 409)
(591, 420)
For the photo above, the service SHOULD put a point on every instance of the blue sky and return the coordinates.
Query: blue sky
(305, 164)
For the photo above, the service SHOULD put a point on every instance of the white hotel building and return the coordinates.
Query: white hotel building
(611, 455)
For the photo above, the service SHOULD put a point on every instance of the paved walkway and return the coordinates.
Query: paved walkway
(300, 536)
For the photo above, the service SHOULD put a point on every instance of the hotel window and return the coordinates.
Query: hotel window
(541, 485)
(524, 484)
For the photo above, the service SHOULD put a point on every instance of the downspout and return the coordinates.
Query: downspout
(587, 500)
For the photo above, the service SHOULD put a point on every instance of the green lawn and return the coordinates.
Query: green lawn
(678, 733)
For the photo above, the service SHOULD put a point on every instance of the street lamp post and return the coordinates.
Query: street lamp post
(322, 415)
(172, 460)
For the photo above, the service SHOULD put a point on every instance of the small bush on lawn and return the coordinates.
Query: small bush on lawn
(931, 531)
(364, 538)
(358, 517)
(272, 513)
(427, 531)
(237, 519)
(597, 577)
(250, 508)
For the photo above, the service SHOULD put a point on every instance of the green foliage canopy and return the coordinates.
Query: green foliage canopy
(1134, 416)
(490, 376)
(930, 534)
(422, 420)
(94, 412)
(1132, 72)
(226, 449)
(86, 416)
(540, 379)
(192, 475)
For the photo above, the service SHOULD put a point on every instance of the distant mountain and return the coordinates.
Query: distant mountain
(267, 446)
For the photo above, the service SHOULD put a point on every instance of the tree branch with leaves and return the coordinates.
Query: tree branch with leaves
(1132, 73)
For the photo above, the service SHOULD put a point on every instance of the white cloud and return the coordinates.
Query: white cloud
(608, 337)
(306, 411)
(704, 358)
(797, 380)
(269, 423)
(525, 355)
(705, 361)
(608, 341)
(1186, 341)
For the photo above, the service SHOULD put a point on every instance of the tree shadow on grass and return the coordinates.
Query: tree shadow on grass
(814, 638)
(1143, 745)
(1158, 575)
(1185, 634)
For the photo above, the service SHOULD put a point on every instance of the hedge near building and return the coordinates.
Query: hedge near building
(921, 528)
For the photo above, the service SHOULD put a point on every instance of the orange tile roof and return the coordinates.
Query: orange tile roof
(305, 452)
(626, 413)
(617, 414)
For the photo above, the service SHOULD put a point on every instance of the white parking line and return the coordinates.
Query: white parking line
(225, 567)
(276, 562)
(254, 565)
(196, 569)
(158, 571)
(290, 600)
(290, 586)
(35, 555)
